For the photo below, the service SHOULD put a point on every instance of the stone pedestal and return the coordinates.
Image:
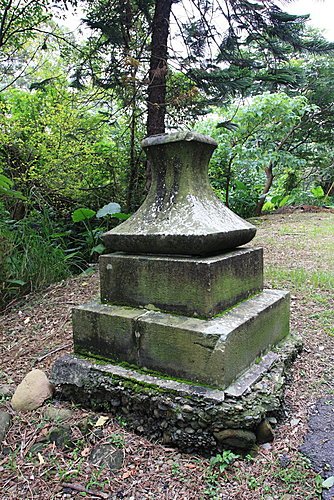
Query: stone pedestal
(212, 352)
(193, 286)
(184, 338)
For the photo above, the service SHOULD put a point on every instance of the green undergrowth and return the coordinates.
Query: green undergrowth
(29, 259)
(299, 278)
(290, 480)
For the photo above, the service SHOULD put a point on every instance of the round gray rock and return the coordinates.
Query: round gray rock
(5, 420)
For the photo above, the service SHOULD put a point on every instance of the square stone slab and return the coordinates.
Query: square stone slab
(212, 352)
(193, 286)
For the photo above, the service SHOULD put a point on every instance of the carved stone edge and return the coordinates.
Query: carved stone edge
(155, 140)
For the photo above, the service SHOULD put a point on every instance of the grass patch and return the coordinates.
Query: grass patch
(325, 319)
(299, 278)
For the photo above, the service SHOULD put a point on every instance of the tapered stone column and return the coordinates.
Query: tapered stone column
(181, 214)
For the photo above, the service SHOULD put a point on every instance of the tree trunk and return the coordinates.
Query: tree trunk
(133, 163)
(267, 186)
(158, 68)
(228, 181)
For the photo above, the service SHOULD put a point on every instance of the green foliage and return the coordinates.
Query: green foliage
(117, 440)
(318, 192)
(83, 214)
(223, 460)
(314, 196)
(259, 139)
(29, 258)
(87, 242)
(212, 489)
(20, 23)
(49, 139)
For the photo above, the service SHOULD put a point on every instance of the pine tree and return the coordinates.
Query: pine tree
(229, 44)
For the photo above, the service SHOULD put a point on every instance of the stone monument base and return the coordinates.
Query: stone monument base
(188, 285)
(195, 418)
(210, 351)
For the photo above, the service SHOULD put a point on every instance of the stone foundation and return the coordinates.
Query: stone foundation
(195, 418)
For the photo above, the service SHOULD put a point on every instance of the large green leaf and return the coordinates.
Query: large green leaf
(82, 214)
(100, 248)
(6, 185)
(121, 216)
(11, 193)
(318, 192)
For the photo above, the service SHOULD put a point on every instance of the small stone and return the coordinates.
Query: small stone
(61, 436)
(284, 461)
(31, 393)
(294, 422)
(264, 432)
(115, 403)
(58, 414)
(272, 420)
(85, 425)
(107, 455)
(195, 425)
(236, 438)
(6, 390)
(166, 438)
(5, 420)
(266, 446)
(189, 430)
(187, 408)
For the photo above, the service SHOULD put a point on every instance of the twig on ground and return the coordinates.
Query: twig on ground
(38, 360)
(82, 489)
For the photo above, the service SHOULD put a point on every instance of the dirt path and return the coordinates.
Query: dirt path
(299, 251)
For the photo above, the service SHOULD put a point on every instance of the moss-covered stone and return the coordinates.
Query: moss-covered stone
(212, 352)
(201, 287)
(236, 439)
(166, 410)
(181, 214)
